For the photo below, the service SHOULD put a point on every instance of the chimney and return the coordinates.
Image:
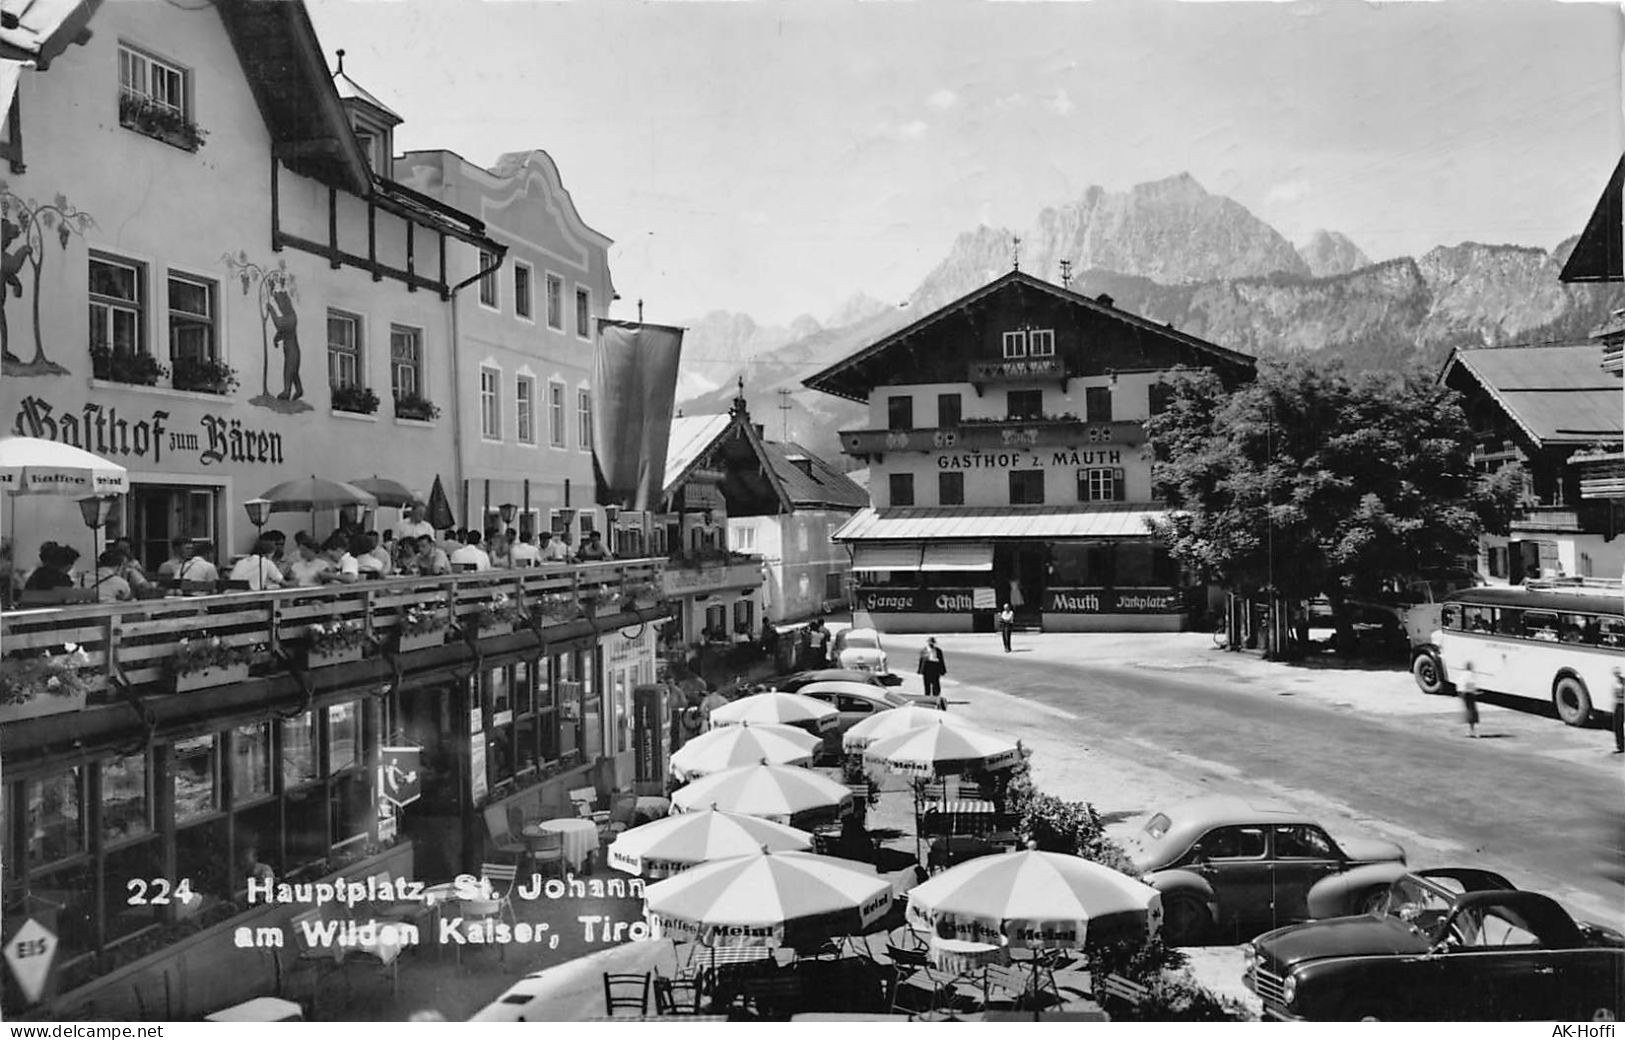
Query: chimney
(1104, 299)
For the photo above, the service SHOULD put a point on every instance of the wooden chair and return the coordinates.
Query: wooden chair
(912, 968)
(676, 996)
(626, 992)
(585, 800)
(1009, 982)
(503, 840)
(503, 877)
(478, 911)
(546, 851)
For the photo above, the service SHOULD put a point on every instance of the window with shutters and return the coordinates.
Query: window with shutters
(1024, 404)
(1158, 397)
(902, 489)
(951, 489)
(899, 413)
(949, 410)
(1098, 401)
(1026, 487)
(1103, 484)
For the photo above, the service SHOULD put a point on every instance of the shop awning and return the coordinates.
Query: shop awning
(887, 558)
(973, 556)
(997, 523)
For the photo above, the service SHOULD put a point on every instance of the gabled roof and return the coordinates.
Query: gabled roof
(1596, 257)
(819, 484)
(830, 382)
(690, 436)
(350, 90)
(1557, 395)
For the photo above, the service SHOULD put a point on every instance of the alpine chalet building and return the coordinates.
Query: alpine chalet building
(1009, 463)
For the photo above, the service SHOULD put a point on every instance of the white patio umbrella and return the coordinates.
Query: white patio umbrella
(743, 745)
(35, 466)
(676, 843)
(1035, 900)
(896, 721)
(783, 794)
(788, 709)
(941, 748)
(769, 899)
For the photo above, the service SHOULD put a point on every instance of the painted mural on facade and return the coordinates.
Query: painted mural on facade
(26, 230)
(279, 329)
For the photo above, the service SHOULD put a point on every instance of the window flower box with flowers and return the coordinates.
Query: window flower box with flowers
(207, 661)
(645, 595)
(605, 600)
(498, 617)
(419, 408)
(560, 608)
(47, 684)
(359, 399)
(135, 369)
(169, 125)
(203, 375)
(421, 627)
(339, 641)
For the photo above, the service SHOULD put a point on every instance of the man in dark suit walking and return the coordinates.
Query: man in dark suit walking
(1007, 625)
(933, 666)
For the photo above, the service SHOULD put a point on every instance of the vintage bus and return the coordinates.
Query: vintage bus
(1552, 642)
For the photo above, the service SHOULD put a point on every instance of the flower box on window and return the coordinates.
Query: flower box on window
(204, 375)
(145, 116)
(49, 685)
(136, 369)
(208, 661)
(498, 617)
(333, 642)
(358, 399)
(418, 408)
(407, 642)
(421, 627)
(211, 675)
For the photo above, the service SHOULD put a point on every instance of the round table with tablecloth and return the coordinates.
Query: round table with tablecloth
(580, 837)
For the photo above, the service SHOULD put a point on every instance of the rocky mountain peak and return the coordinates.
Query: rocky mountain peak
(1330, 253)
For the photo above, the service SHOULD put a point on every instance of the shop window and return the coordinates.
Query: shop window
(56, 816)
(130, 907)
(951, 489)
(343, 737)
(250, 762)
(195, 768)
(902, 489)
(203, 860)
(1024, 404)
(900, 413)
(126, 798)
(355, 809)
(299, 751)
(1136, 564)
(948, 410)
(1027, 487)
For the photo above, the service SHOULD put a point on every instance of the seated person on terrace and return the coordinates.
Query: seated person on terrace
(258, 568)
(342, 566)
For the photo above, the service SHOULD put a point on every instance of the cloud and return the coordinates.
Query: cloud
(1016, 100)
(913, 130)
(942, 99)
(1287, 192)
(1060, 103)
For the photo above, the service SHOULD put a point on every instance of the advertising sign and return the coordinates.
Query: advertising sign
(30, 953)
(402, 781)
(476, 766)
(1114, 601)
(648, 725)
(917, 601)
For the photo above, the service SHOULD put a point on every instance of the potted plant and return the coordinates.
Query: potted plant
(135, 368)
(421, 626)
(498, 616)
(167, 124)
(644, 594)
(208, 661)
(333, 642)
(415, 407)
(353, 398)
(205, 375)
(560, 607)
(45, 684)
(606, 601)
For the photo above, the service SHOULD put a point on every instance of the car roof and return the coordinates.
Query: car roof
(1471, 879)
(1558, 602)
(1540, 914)
(1189, 820)
(855, 689)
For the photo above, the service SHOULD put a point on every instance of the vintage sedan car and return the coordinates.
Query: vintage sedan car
(1228, 862)
(1436, 953)
(860, 649)
(857, 701)
(794, 682)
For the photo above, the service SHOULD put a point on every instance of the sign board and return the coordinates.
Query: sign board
(984, 599)
(476, 766)
(648, 728)
(402, 779)
(916, 601)
(1114, 601)
(30, 954)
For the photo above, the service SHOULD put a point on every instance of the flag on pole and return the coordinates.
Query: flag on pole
(635, 382)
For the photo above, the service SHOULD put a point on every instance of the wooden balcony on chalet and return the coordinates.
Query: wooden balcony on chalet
(132, 650)
(999, 435)
(711, 570)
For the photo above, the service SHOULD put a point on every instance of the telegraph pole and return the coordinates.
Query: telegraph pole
(1066, 274)
(784, 414)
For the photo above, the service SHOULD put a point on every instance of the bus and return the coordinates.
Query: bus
(1543, 643)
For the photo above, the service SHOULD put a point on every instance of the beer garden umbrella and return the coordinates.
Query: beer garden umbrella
(676, 843)
(311, 494)
(36, 466)
(896, 721)
(440, 514)
(390, 494)
(768, 899)
(788, 709)
(783, 794)
(942, 748)
(742, 745)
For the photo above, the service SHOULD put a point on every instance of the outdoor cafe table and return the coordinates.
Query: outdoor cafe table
(580, 837)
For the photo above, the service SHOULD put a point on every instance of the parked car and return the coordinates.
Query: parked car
(1436, 952)
(1354, 896)
(1223, 862)
(857, 701)
(794, 682)
(860, 649)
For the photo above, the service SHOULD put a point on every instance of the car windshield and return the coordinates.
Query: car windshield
(1419, 905)
(861, 641)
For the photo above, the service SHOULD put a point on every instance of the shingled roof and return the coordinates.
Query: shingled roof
(1558, 395)
(810, 482)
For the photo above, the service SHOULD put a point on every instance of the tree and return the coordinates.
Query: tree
(1311, 481)
(35, 224)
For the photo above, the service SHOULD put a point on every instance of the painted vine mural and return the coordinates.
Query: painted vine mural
(26, 230)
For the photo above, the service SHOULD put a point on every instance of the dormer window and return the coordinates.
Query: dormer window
(373, 123)
(375, 146)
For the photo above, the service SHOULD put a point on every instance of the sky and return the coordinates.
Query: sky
(777, 158)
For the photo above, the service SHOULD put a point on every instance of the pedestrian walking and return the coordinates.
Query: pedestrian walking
(1007, 625)
(1468, 689)
(1619, 712)
(933, 666)
(817, 640)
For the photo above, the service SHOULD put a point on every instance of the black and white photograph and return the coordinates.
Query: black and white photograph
(849, 512)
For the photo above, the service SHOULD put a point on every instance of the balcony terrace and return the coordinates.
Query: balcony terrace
(710, 570)
(998, 435)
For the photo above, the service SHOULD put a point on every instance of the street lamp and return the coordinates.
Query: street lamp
(507, 511)
(95, 510)
(259, 511)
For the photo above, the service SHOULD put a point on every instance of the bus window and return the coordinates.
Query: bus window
(1478, 619)
(1577, 628)
(1450, 617)
(1538, 625)
(1611, 632)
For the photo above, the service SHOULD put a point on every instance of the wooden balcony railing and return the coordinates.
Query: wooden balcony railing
(131, 642)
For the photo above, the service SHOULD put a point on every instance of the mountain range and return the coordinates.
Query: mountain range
(1173, 252)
